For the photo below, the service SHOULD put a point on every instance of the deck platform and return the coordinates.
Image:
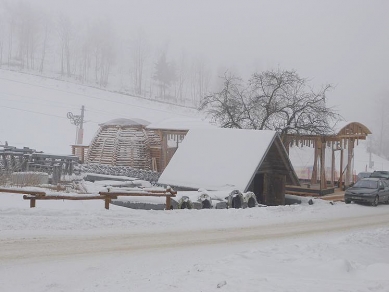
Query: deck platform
(308, 190)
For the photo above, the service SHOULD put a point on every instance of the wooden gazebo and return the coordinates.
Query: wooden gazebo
(343, 138)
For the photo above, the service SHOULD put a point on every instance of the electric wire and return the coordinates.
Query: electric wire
(103, 99)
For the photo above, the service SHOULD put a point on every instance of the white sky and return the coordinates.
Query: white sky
(344, 43)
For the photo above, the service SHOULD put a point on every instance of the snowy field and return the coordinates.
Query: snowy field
(34, 111)
(80, 246)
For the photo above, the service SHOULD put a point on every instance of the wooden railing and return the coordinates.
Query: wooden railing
(106, 196)
(168, 193)
(32, 193)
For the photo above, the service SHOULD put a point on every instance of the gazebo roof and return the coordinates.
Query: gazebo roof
(340, 131)
(181, 124)
(344, 128)
(126, 122)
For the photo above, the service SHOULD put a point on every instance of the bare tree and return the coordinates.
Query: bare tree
(182, 75)
(140, 50)
(200, 76)
(46, 24)
(271, 100)
(1, 38)
(379, 140)
(27, 30)
(65, 32)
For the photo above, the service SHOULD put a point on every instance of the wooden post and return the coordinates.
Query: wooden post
(164, 151)
(82, 155)
(350, 156)
(32, 203)
(107, 201)
(333, 168)
(323, 179)
(168, 203)
(341, 170)
(314, 170)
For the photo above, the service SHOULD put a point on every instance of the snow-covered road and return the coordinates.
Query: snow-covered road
(79, 246)
(57, 246)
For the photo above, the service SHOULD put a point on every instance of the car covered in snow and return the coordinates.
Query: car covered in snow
(368, 190)
(380, 174)
(362, 175)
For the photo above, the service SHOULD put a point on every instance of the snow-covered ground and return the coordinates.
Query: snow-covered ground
(80, 246)
(34, 109)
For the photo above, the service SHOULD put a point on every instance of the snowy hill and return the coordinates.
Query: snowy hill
(33, 114)
(34, 111)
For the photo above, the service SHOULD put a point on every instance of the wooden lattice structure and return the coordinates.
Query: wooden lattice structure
(345, 135)
(81, 151)
(124, 142)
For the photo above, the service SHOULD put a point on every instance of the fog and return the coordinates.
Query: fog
(344, 43)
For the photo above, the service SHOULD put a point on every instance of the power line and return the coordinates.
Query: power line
(34, 112)
(100, 98)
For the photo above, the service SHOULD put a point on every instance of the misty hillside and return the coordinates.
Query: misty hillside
(34, 111)
(34, 114)
(177, 53)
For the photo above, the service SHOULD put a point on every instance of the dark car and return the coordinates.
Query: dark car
(368, 190)
(380, 174)
(363, 175)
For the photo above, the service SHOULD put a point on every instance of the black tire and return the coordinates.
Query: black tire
(347, 201)
(375, 202)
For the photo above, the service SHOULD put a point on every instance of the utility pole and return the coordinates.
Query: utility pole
(78, 120)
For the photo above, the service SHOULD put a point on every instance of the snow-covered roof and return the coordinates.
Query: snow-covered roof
(340, 125)
(125, 122)
(180, 123)
(217, 159)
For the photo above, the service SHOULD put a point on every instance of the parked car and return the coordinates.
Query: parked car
(368, 190)
(380, 174)
(363, 175)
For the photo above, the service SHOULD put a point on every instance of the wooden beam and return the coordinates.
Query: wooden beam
(73, 198)
(314, 170)
(341, 169)
(333, 168)
(323, 179)
(29, 192)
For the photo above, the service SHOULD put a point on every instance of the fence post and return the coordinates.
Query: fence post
(32, 203)
(168, 202)
(107, 200)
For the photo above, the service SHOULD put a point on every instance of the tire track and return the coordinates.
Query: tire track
(46, 248)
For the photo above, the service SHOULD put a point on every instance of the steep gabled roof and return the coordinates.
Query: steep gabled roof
(217, 159)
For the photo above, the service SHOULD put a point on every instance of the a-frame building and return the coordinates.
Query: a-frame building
(228, 159)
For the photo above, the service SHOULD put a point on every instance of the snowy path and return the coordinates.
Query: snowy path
(39, 248)
(290, 248)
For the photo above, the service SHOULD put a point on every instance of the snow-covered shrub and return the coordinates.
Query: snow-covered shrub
(29, 178)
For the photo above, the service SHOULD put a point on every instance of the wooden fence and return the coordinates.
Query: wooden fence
(33, 196)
